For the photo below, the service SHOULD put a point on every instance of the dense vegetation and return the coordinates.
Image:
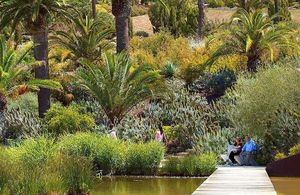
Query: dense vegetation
(202, 82)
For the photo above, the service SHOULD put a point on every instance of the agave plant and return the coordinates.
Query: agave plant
(86, 39)
(116, 87)
(254, 35)
(13, 69)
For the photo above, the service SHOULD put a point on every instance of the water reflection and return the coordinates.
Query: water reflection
(286, 186)
(147, 186)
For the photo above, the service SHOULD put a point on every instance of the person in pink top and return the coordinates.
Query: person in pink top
(160, 136)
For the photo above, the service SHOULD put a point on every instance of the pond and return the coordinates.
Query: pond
(286, 185)
(146, 186)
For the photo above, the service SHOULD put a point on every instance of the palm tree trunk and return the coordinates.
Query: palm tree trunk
(252, 64)
(94, 10)
(276, 10)
(40, 40)
(3, 103)
(200, 19)
(243, 4)
(121, 10)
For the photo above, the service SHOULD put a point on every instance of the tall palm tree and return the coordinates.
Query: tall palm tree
(86, 37)
(34, 14)
(116, 87)
(121, 9)
(253, 36)
(13, 71)
(94, 10)
(200, 19)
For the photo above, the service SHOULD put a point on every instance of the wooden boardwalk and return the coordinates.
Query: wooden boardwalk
(237, 180)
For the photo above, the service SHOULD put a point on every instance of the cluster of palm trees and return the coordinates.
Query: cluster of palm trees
(121, 87)
(255, 34)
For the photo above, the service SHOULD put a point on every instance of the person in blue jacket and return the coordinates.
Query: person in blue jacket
(249, 150)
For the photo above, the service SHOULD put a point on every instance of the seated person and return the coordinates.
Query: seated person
(248, 152)
(236, 149)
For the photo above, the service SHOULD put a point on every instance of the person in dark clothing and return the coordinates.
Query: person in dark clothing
(238, 145)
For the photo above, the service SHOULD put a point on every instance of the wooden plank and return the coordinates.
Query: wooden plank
(237, 180)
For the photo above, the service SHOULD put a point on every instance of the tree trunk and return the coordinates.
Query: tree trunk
(40, 40)
(276, 11)
(200, 19)
(94, 10)
(252, 64)
(121, 10)
(3, 103)
(243, 4)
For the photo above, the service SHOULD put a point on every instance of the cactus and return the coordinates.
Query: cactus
(17, 125)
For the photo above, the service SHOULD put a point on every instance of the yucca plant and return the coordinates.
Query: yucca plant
(86, 39)
(12, 73)
(116, 87)
(254, 35)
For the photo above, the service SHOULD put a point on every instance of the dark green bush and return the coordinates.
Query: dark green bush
(144, 158)
(64, 120)
(141, 34)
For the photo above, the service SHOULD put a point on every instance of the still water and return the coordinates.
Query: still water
(286, 186)
(146, 186)
(174, 186)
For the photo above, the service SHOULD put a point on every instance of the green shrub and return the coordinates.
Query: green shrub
(61, 120)
(188, 165)
(141, 34)
(27, 165)
(4, 170)
(172, 167)
(181, 19)
(207, 164)
(35, 167)
(24, 103)
(144, 158)
(75, 172)
(195, 165)
(294, 150)
(138, 10)
(280, 156)
(230, 3)
(267, 105)
(216, 3)
(107, 154)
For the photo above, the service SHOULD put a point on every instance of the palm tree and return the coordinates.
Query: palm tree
(13, 72)
(34, 15)
(116, 87)
(86, 39)
(253, 36)
(94, 10)
(200, 19)
(121, 9)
